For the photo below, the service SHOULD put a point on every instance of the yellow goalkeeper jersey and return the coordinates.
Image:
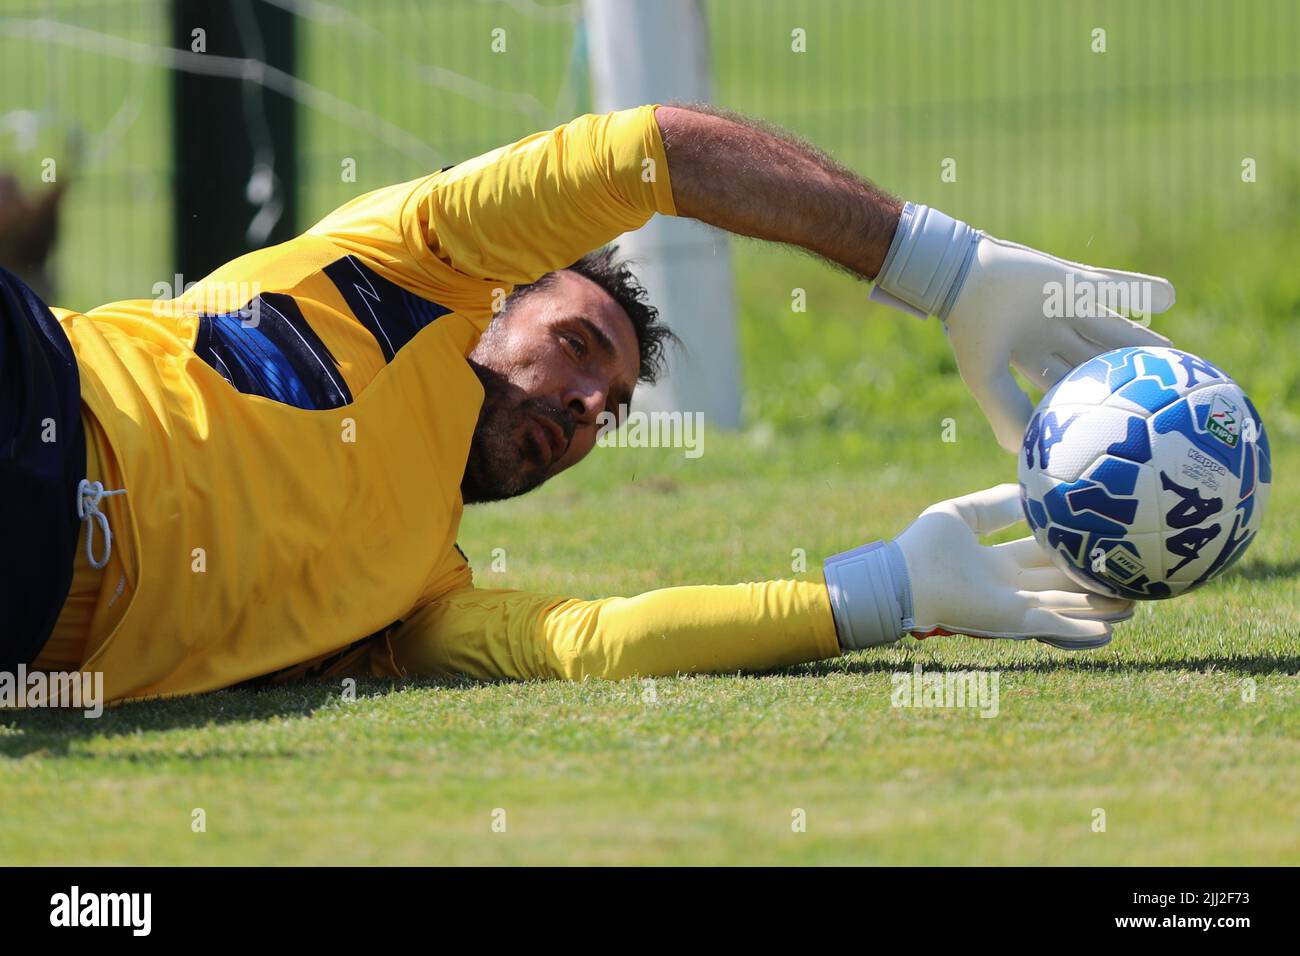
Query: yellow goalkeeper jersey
(293, 460)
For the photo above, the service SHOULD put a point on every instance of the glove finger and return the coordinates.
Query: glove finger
(1043, 579)
(1110, 617)
(1041, 622)
(1005, 406)
(1079, 349)
(989, 510)
(1156, 290)
(1112, 331)
(1047, 371)
(1161, 290)
(1026, 553)
(1078, 603)
(1159, 339)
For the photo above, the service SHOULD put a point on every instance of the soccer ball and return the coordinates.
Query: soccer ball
(1145, 473)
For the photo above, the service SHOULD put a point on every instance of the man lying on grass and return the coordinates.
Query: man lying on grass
(273, 489)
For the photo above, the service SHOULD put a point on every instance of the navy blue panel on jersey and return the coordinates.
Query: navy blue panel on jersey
(392, 314)
(42, 461)
(269, 349)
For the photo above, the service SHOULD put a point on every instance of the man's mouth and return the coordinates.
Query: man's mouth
(549, 437)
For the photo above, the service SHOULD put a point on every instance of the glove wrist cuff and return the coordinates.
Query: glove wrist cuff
(927, 262)
(871, 595)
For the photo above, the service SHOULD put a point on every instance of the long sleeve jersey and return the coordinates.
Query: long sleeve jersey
(292, 432)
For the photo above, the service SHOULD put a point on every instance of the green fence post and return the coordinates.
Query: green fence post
(234, 138)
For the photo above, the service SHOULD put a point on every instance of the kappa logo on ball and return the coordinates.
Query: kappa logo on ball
(1224, 422)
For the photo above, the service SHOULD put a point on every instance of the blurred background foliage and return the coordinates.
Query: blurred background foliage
(1131, 158)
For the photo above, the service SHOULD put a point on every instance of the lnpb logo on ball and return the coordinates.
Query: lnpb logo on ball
(1224, 421)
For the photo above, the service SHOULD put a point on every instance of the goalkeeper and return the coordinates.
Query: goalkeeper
(195, 496)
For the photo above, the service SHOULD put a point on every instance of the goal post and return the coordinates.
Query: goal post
(656, 53)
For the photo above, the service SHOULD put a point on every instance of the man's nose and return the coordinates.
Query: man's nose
(586, 399)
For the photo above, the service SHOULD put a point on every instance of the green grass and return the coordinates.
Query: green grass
(1129, 159)
(1153, 729)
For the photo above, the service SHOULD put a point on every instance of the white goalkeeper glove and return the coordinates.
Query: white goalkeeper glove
(997, 300)
(936, 578)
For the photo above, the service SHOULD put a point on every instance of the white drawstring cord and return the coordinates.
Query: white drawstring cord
(89, 495)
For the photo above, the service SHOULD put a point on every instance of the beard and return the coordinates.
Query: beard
(504, 458)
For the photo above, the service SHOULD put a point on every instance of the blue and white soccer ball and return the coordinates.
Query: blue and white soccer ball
(1145, 472)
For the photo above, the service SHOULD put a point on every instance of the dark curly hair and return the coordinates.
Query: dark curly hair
(614, 275)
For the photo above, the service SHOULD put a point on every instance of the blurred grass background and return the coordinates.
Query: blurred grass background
(1130, 158)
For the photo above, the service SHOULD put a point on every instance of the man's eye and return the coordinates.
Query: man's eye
(578, 346)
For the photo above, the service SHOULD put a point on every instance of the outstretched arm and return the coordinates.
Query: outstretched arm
(519, 635)
(999, 301)
(759, 181)
(934, 578)
(464, 235)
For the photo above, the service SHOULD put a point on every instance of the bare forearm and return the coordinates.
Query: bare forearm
(731, 173)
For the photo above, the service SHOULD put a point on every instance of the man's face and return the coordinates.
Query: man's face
(550, 363)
